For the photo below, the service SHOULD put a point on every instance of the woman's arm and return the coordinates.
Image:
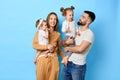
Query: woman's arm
(36, 45)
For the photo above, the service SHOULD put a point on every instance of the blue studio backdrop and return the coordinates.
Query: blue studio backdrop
(17, 29)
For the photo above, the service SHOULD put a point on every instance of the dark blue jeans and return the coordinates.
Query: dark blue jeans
(73, 72)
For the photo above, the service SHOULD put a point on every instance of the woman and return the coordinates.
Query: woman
(48, 68)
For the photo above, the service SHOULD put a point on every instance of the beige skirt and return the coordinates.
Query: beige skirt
(47, 68)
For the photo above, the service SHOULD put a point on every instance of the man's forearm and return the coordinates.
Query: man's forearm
(79, 48)
(64, 43)
(75, 49)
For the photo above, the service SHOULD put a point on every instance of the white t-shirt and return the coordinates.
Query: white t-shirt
(72, 26)
(80, 58)
(42, 40)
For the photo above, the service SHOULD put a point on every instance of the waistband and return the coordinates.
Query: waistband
(49, 54)
(71, 63)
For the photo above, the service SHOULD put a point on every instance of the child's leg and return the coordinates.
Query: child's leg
(36, 57)
(67, 54)
(70, 53)
(65, 60)
(46, 53)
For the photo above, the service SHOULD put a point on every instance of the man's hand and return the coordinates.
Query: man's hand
(69, 41)
(66, 49)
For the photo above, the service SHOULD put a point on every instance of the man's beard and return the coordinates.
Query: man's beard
(80, 23)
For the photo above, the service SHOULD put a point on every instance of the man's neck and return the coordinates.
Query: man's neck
(83, 28)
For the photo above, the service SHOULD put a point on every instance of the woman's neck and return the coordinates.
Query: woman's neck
(51, 29)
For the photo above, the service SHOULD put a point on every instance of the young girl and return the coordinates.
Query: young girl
(69, 27)
(43, 36)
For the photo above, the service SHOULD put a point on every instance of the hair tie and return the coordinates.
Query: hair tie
(40, 22)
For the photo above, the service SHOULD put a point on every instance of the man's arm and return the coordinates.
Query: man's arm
(67, 42)
(79, 48)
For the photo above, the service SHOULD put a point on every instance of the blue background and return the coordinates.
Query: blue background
(17, 29)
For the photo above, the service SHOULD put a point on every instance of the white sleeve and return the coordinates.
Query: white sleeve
(89, 37)
(41, 33)
(73, 29)
(63, 26)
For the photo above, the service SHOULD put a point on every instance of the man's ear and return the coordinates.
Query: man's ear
(88, 21)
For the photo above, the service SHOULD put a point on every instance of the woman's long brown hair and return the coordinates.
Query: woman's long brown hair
(57, 21)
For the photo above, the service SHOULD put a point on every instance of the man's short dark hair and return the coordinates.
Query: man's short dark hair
(91, 15)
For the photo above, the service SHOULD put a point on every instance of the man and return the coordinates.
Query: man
(76, 66)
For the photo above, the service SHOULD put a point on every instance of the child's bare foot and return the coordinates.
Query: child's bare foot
(65, 60)
(35, 61)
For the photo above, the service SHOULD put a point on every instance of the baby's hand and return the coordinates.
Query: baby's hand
(46, 29)
(67, 29)
(78, 33)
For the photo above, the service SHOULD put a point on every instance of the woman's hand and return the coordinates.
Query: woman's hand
(49, 46)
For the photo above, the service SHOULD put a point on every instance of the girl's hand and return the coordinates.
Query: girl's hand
(46, 29)
(67, 29)
(78, 33)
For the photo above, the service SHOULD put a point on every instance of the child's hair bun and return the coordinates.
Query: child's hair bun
(62, 9)
(72, 7)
